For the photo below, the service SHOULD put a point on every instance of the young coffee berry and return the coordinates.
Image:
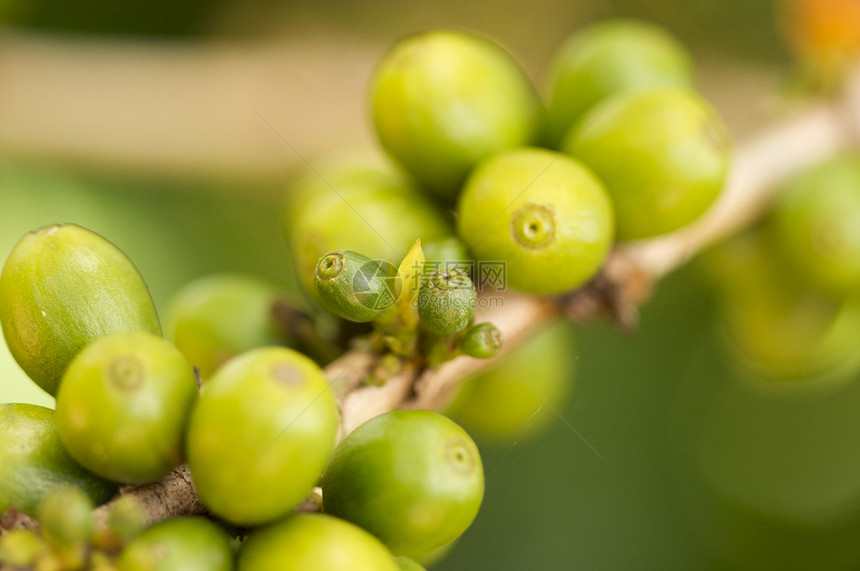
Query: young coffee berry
(413, 478)
(446, 301)
(611, 57)
(123, 405)
(353, 286)
(663, 155)
(65, 516)
(35, 462)
(542, 214)
(260, 435)
(482, 341)
(62, 287)
(314, 542)
(443, 100)
(179, 544)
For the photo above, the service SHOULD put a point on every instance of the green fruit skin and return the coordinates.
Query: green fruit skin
(337, 276)
(123, 407)
(482, 341)
(408, 564)
(442, 101)
(815, 226)
(446, 301)
(571, 206)
(65, 517)
(607, 58)
(663, 155)
(366, 208)
(314, 542)
(35, 462)
(260, 435)
(179, 544)
(513, 398)
(62, 287)
(214, 318)
(413, 478)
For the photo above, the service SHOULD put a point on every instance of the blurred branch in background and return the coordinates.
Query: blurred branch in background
(178, 109)
(186, 104)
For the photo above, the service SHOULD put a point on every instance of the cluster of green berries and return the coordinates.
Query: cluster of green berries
(789, 288)
(623, 149)
(258, 429)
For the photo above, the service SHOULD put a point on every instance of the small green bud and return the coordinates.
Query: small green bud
(482, 341)
(20, 548)
(353, 286)
(66, 517)
(446, 303)
(127, 518)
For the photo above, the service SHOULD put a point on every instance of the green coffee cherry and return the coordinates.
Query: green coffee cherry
(61, 288)
(777, 329)
(482, 341)
(35, 462)
(443, 101)
(127, 518)
(408, 564)
(815, 226)
(314, 542)
(354, 287)
(610, 57)
(545, 216)
(663, 155)
(214, 318)
(446, 301)
(65, 516)
(515, 395)
(21, 548)
(260, 435)
(123, 406)
(413, 478)
(179, 544)
(362, 207)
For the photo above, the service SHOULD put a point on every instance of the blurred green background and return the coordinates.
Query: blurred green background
(159, 125)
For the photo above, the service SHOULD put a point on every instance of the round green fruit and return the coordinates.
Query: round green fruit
(446, 301)
(443, 101)
(314, 542)
(35, 462)
(607, 58)
(260, 435)
(354, 287)
(663, 155)
(214, 318)
(123, 406)
(515, 396)
(543, 214)
(179, 544)
(61, 288)
(413, 478)
(65, 517)
(482, 341)
(815, 225)
(369, 209)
